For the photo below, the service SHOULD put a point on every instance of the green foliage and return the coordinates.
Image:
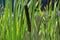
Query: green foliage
(13, 25)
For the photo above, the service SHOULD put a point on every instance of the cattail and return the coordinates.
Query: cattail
(28, 19)
(48, 2)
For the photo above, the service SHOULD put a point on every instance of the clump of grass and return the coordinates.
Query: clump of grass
(14, 25)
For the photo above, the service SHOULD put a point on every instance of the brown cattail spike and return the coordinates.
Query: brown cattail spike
(28, 19)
